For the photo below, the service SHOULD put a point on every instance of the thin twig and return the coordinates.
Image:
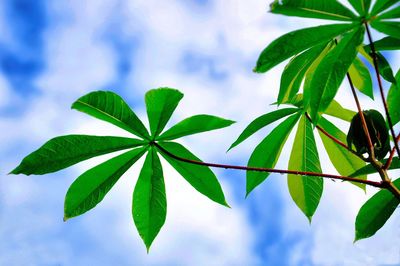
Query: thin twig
(269, 170)
(389, 161)
(375, 60)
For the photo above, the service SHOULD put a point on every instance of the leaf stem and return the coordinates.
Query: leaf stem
(269, 170)
(375, 61)
(389, 161)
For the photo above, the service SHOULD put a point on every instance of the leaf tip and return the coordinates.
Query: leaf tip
(65, 218)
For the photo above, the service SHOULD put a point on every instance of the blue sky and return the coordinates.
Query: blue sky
(53, 52)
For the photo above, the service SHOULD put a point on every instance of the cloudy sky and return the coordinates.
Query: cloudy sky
(53, 52)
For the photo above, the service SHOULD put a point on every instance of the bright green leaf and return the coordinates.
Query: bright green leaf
(375, 212)
(193, 125)
(261, 122)
(110, 107)
(91, 187)
(149, 205)
(390, 28)
(336, 110)
(391, 14)
(381, 5)
(64, 151)
(344, 161)
(306, 191)
(386, 43)
(370, 169)
(393, 101)
(160, 104)
(200, 177)
(326, 9)
(266, 153)
(361, 6)
(297, 41)
(331, 71)
(361, 77)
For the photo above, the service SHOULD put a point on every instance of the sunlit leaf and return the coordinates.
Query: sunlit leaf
(160, 104)
(326, 9)
(297, 41)
(375, 213)
(200, 177)
(390, 28)
(336, 110)
(393, 101)
(193, 125)
(382, 5)
(91, 187)
(361, 77)
(261, 122)
(110, 107)
(370, 169)
(266, 153)
(361, 6)
(393, 13)
(306, 191)
(149, 205)
(64, 151)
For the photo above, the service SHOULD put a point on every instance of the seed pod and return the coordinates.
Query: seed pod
(377, 129)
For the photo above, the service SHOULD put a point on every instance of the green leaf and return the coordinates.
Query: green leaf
(361, 6)
(361, 77)
(390, 28)
(91, 187)
(297, 41)
(393, 100)
(266, 153)
(331, 71)
(382, 5)
(393, 13)
(261, 122)
(64, 151)
(386, 43)
(193, 125)
(327, 9)
(149, 205)
(370, 169)
(336, 110)
(294, 72)
(384, 68)
(110, 107)
(161, 103)
(200, 177)
(344, 161)
(306, 191)
(375, 212)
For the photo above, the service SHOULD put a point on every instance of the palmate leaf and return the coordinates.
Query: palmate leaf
(391, 14)
(375, 213)
(382, 5)
(344, 161)
(149, 205)
(110, 107)
(361, 6)
(91, 187)
(306, 191)
(261, 122)
(386, 43)
(193, 125)
(297, 41)
(385, 69)
(64, 151)
(327, 9)
(200, 177)
(390, 28)
(266, 153)
(331, 71)
(361, 77)
(338, 111)
(393, 100)
(160, 104)
(370, 169)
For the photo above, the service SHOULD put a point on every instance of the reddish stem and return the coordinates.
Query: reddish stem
(389, 161)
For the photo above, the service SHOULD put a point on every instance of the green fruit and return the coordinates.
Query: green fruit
(377, 129)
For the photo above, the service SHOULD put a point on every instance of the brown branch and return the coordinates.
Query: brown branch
(376, 66)
(389, 161)
(269, 170)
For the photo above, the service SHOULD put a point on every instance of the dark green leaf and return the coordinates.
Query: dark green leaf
(336, 110)
(294, 72)
(193, 125)
(361, 6)
(64, 151)
(261, 122)
(375, 212)
(326, 9)
(384, 68)
(110, 107)
(370, 169)
(381, 5)
(149, 205)
(393, 13)
(361, 77)
(161, 103)
(331, 71)
(306, 191)
(393, 101)
(344, 161)
(200, 177)
(386, 43)
(266, 153)
(297, 41)
(91, 187)
(390, 28)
